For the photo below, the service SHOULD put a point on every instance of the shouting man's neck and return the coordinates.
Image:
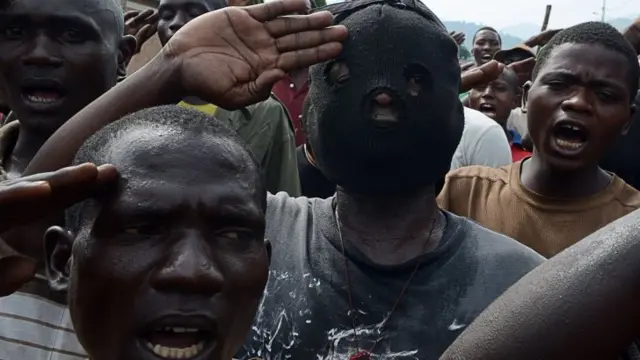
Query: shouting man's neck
(391, 230)
(26, 147)
(537, 176)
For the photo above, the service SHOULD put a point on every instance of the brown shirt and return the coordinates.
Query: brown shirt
(497, 199)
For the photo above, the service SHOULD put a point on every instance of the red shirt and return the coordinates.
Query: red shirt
(292, 98)
(518, 153)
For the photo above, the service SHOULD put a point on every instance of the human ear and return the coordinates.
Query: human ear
(57, 245)
(126, 49)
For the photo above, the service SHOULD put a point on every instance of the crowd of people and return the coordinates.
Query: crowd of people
(290, 182)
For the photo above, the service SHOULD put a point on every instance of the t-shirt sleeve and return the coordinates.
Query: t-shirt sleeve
(518, 122)
(452, 194)
(491, 148)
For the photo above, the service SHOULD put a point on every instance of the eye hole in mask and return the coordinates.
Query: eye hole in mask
(337, 72)
(418, 79)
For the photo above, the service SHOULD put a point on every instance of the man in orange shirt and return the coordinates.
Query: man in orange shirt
(581, 100)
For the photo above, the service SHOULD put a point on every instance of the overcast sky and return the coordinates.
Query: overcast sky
(503, 13)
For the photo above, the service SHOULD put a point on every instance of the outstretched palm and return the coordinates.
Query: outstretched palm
(253, 47)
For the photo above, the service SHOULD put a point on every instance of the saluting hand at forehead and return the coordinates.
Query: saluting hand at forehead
(233, 56)
(30, 198)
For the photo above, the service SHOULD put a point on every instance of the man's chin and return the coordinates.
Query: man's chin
(43, 124)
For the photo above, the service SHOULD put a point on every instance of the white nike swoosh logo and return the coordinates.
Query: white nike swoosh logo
(455, 326)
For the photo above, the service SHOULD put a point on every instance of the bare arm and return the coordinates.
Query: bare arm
(581, 304)
(204, 59)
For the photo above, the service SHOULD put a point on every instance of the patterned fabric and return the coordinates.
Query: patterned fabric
(35, 328)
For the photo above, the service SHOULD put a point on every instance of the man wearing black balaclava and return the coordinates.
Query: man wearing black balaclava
(378, 271)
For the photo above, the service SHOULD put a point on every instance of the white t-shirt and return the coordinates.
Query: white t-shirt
(483, 142)
(517, 122)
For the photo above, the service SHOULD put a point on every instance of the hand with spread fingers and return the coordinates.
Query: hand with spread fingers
(523, 69)
(141, 25)
(28, 199)
(632, 34)
(490, 71)
(458, 37)
(542, 38)
(480, 75)
(253, 48)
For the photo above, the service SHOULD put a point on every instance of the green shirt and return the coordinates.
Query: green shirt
(268, 130)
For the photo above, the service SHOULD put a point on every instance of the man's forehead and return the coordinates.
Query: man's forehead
(97, 11)
(146, 190)
(162, 151)
(571, 56)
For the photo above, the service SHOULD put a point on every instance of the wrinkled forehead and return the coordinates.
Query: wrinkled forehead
(159, 161)
(390, 38)
(103, 14)
(163, 151)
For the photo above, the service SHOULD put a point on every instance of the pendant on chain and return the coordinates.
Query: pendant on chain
(361, 355)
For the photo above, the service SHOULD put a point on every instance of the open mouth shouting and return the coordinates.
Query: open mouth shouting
(488, 109)
(569, 137)
(42, 95)
(179, 337)
(486, 57)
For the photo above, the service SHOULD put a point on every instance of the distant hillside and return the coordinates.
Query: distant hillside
(508, 41)
(620, 23)
(515, 34)
(523, 31)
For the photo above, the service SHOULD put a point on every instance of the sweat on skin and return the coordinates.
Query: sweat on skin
(172, 261)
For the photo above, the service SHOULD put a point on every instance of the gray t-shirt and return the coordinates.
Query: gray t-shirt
(304, 312)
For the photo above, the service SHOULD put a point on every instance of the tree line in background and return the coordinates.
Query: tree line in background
(464, 53)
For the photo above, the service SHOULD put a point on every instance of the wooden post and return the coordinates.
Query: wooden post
(547, 14)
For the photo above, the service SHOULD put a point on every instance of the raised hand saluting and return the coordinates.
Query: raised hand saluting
(28, 199)
(253, 48)
(230, 57)
(141, 25)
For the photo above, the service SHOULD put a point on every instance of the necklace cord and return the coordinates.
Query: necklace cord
(352, 313)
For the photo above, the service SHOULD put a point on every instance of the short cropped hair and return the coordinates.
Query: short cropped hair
(487, 28)
(594, 33)
(511, 78)
(179, 120)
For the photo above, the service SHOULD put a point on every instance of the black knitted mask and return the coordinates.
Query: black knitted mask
(385, 116)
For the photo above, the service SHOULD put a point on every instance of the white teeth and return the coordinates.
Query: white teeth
(572, 127)
(179, 330)
(568, 144)
(41, 100)
(184, 330)
(175, 353)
